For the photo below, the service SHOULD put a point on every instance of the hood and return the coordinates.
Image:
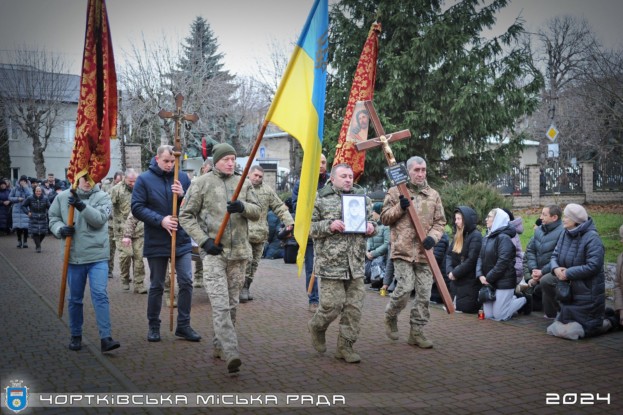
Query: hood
(518, 224)
(589, 225)
(470, 218)
(500, 221)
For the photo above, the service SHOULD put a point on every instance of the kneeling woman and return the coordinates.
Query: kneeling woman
(496, 266)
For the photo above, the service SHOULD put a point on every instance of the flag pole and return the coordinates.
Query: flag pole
(68, 239)
(245, 172)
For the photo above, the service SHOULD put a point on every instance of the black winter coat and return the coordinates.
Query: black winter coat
(581, 251)
(5, 210)
(152, 200)
(539, 250)
(497, 259)
(463, 266)
(38, 208)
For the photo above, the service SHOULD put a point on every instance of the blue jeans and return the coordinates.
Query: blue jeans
(184, 278)
(309, 269)
(77, 275)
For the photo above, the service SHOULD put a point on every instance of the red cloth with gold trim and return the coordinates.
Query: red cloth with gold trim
(355, 129)
(96, 122)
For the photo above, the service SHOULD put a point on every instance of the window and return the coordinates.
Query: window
(70, 131)
(14, 130)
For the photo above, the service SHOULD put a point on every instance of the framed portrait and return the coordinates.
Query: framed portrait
(354, 213)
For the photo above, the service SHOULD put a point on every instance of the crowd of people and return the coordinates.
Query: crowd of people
(488, 273)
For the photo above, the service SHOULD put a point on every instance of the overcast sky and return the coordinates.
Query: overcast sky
(243, 28)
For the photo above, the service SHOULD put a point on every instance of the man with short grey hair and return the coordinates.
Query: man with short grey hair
(130, 246)
(407, 252)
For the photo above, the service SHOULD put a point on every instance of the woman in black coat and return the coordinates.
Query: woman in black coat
(496, 266)
(36, 207)
(461, 259)
(579, 259)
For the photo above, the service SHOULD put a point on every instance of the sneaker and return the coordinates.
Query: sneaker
(545, 316)
(125, 286)
(313, 307)
(140, 289)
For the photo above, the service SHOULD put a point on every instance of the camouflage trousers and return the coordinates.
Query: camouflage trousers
(198, 274)
(222, 279)
(409, 277)
(132, 256)
(111, 259)
(258, 250)
(343, 297)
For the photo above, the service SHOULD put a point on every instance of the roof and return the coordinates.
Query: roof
(28, 78)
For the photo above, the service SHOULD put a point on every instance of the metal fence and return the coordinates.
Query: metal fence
(608, 176)
(556, 179)
(514, 182)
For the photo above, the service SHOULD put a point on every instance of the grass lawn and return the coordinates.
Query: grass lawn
(607, 225)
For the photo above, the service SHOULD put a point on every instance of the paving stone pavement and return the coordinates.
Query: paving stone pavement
(476, 367)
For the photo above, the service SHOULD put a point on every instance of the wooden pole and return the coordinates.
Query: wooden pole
(68, 239)
(245, 172)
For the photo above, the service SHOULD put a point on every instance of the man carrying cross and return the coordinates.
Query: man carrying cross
(410, 263)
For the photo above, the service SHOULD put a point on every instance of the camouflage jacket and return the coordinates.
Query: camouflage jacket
(404, 241)
(204, 208)
(336, 253)
(258, 230)
(121, 197)
(133, 228)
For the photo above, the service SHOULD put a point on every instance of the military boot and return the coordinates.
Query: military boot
(345, 350)
(391, 326)
(244, 292)
(248, 282)
(317, 337)
(417, 338)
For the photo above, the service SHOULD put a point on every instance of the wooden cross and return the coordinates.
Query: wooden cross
(178, 116)
(383, 141)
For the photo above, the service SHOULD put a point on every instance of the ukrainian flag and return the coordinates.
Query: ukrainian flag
(298, 108)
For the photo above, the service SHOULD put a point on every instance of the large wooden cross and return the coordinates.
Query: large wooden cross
(383, 141)
(178, 116)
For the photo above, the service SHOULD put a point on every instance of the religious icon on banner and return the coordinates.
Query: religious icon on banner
(359, 123)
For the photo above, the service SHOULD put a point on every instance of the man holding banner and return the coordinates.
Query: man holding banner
(88, 256)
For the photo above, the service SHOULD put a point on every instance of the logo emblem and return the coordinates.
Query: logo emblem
(16, 397)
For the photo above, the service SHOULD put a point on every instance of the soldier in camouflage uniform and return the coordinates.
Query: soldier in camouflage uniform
(407, 253)
(198, 275)
(121, 196)
(133, 234)
(258, 230)
(202, 213)
(339, 263)
(111, 230)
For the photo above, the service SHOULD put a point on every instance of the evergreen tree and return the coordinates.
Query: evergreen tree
(210, 89)
(200, 52)
(438, 77)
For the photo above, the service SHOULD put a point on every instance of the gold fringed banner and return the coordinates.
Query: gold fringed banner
(96, 121)
(355, 129)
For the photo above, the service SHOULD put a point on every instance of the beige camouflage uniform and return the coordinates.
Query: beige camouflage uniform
(121, 196)
(201, 215)
(258, 230)
(339, 263)
(410, 264)
(135, 230)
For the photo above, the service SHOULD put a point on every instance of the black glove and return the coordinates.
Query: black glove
(235, 207)
(74, 200)
(67, 231)
(212, 249)
(428, 242)
(404, 202)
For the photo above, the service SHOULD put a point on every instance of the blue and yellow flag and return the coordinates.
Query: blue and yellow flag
(298, 108)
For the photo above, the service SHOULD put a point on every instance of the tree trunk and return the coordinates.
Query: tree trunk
(38, 157)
